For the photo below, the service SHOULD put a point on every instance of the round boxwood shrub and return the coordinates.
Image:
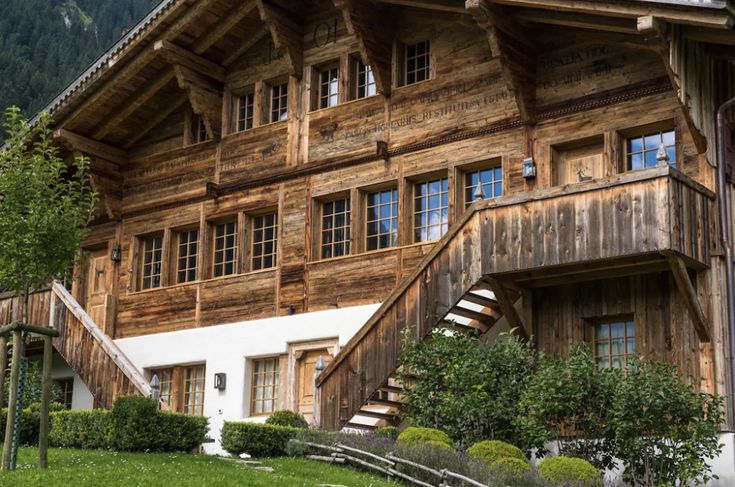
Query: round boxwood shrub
(414, 436)
(511, 465)
(390, 432)
(569, 471)
(287, 418)
(490, 451)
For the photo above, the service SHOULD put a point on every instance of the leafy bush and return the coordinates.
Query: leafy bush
(257, 440)
(387, 432)
(415, 436)
(569, 471)
(80, 429)
(32, 389)
(511, 465)
(29, 426)
(490, 451)
(467, 387)
(136, 424)
(287, 418)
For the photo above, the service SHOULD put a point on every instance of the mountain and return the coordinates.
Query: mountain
(45, 44)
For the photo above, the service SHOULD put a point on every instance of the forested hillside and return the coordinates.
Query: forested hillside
(45, 44)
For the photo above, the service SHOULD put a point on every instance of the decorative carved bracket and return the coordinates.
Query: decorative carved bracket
(508, 42)
(367, 22)
(287, 33)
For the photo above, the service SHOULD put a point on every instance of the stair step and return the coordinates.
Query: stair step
(385, 402)
(359, 426)
(483, 301)
(391, 389)
(377, 415)
(473, 315)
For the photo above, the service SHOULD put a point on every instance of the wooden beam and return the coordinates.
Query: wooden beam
(689, 295)
(577, 20)
(109, 191)
(287, 34)
(244, 47)
(225, 25)
(481, 301)
(472, 315)
(508, 43)
(717, 19)
(507, 305)
(448, 6)
(205, 98)
(85, 145)
(370, 25)
(179, 56)
(155, 121)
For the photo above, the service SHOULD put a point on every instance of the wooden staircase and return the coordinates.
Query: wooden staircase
(93, 355)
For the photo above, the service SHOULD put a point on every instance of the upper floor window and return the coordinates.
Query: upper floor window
(328, 86)
(245, 112)
(614, 343)
(187, 255)
(483, 184)
(265, 383)
(418, 62)
(365, 80)
(642, 150)
(264, 241)
(431, 210)
(382, 219)
(335, 232)
(279, 102)
(194, 390)
(198, 130)
(224, 259)
(151, 263)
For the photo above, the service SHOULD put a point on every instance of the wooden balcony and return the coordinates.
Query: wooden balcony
(637, 222)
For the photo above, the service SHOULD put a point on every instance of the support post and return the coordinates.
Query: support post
(3, 367)
(45, 399)
(12, 400)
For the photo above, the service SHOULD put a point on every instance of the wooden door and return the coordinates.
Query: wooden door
(579, 164)
(306, 370)
(98, 297)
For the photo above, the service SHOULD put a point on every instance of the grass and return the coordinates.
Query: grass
(81, 468)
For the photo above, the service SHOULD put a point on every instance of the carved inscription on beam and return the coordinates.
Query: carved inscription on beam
(287, 33)
(517, 60)
(367, 22)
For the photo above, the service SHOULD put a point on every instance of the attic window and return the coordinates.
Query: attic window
(418, 62)
(198, 130)
(365, 80)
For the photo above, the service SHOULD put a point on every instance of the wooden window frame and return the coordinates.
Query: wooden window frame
(213, 251)
(274, 86)
(253, 218)
(626, 319)
(319, 97)
(166, 376)
(356, 68)
(319, 230)
(142, 245)
(402, 60)
(248, 122)
(177, 379)
(641, 131)
(275, 385)
(199, 411)
(445, 190)
(478, 167)
(366, 192)
(176, 257)
(66, 384)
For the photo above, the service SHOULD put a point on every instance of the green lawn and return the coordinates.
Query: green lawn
(81, 468)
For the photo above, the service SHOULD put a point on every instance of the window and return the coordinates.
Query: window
(641, 151)
(245, 112)
(199, 130)
(329, 86)
(188, 251)
(279, 102)
(67, 391)
(264, 397)
(335, 228)
(194, 390)
(490, 180)
(151, 262)
(382, 219)
(614, 343)
(365, 80)
(418, 62)
(225, 249)
(265, 239)
(166, 377)
(430, 210)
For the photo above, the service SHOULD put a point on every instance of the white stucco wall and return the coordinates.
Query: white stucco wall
(227, 348)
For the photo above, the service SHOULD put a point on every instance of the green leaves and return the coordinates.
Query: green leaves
(45, 206)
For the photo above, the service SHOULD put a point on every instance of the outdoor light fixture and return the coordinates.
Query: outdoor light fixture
(529, 168)
(220, 381)
(116, 254)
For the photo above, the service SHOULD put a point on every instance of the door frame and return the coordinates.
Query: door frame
(295, 352)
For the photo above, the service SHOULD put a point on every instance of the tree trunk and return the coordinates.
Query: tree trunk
(45, 400)
(12, 400)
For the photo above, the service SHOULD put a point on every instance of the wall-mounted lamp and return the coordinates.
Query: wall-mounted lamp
(528, 170)
(220, 381)
(116, 253)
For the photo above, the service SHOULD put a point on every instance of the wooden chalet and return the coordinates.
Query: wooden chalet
(287, 180)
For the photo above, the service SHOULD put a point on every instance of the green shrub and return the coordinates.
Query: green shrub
(414, 436)
(257, 440)
(569, 471)
(511, 465)
(29, 426)
(390, 432)
(80, 429)
(287, 418)
(490, 451)
(178, 432)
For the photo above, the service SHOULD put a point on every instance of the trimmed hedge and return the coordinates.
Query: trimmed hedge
(569, 471)
(414, 436)
(287, 418)
(390, 432)
(490, 451)
(257, 440)
(511, 465)
(80, 429)
(29, 426)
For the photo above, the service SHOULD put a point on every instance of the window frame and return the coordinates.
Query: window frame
(283, 99)
(176, 255)
(66, 384)
(478, 167)
(626, 356)
(253, 218)
(367, 192)
(142, 242)
(444, 194)
(275, 385)
(346, 242)
(320, 97)
(358, 66)
(185, 393)
(213, 251)
(241, 124)
(427, 68)
(624, 135)
(198, 129)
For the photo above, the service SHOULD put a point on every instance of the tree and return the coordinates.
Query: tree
(45, 207)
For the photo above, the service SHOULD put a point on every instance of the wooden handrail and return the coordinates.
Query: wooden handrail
(109, 346)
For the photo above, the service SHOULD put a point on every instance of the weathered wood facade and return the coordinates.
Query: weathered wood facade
(216, 118)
